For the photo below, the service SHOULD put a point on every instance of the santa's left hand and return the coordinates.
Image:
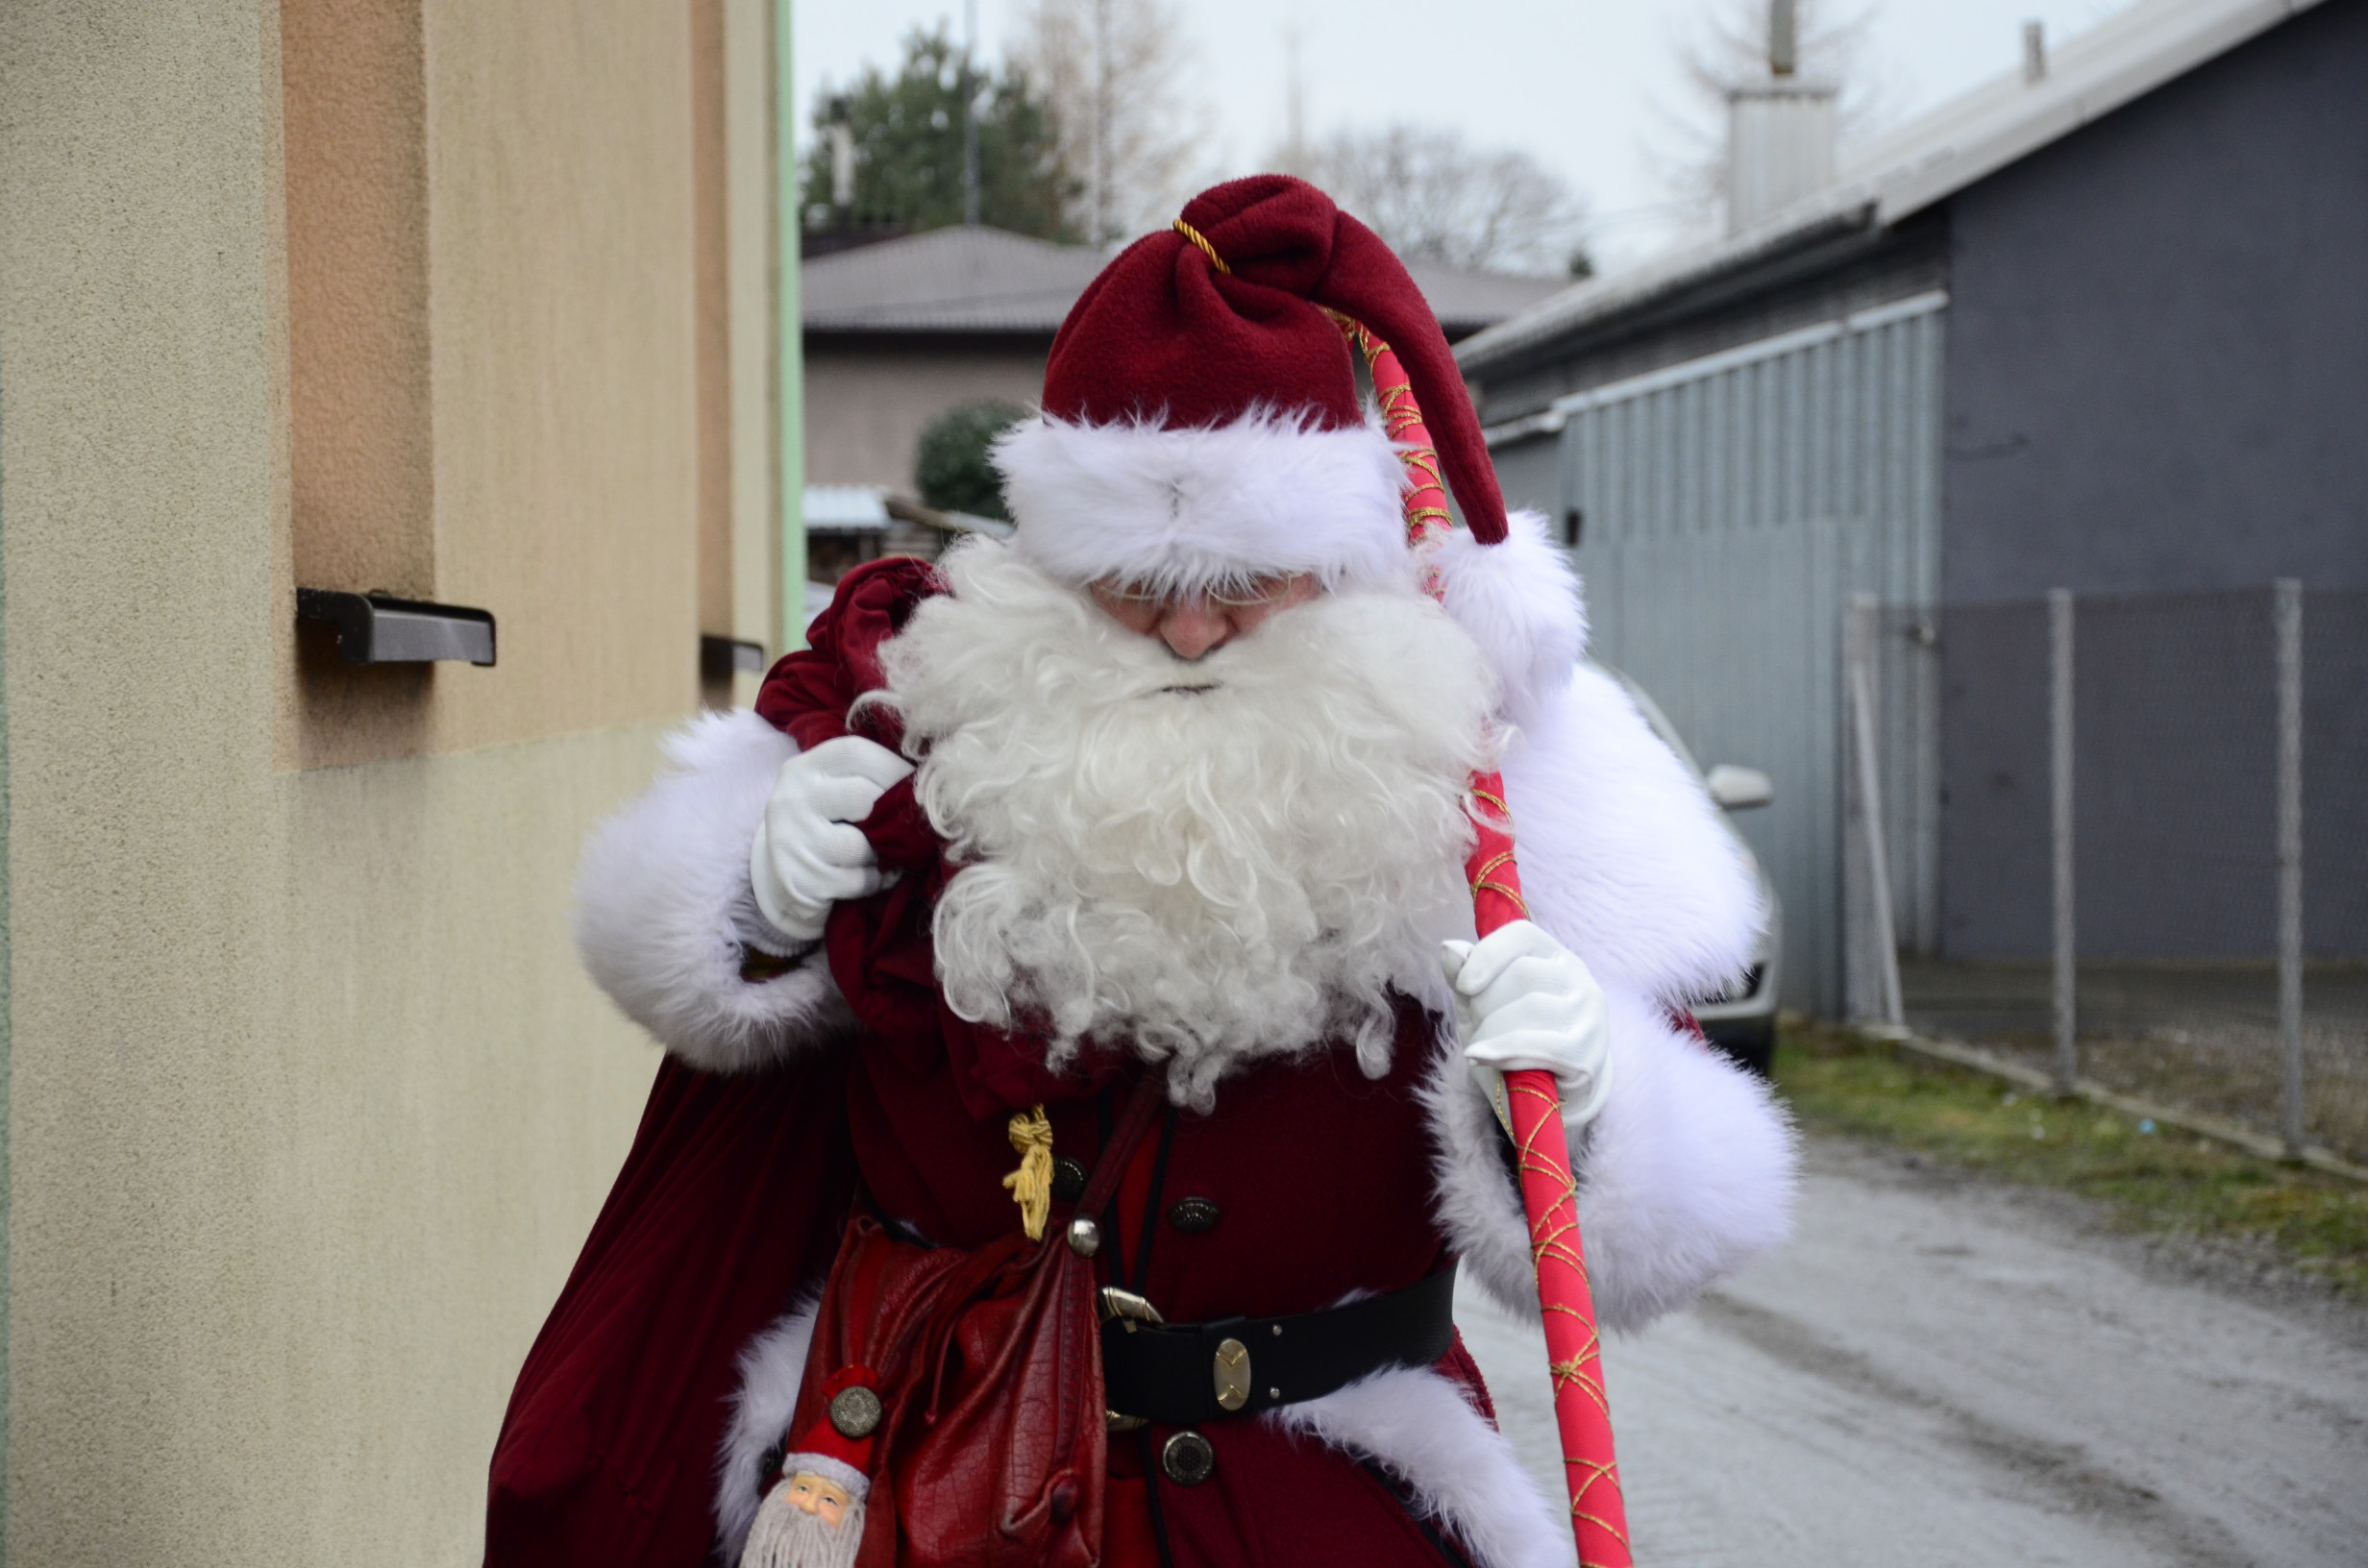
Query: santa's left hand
(1524, 1000)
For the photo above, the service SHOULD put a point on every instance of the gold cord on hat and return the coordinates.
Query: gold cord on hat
(1206, 248)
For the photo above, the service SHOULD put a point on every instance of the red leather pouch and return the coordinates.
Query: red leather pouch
(990, 1452)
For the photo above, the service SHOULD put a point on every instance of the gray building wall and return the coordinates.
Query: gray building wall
(1730, 506)
(1859, 272)
(1530, 473)
(2174, 762)
(2156, 377)
(2159, 340)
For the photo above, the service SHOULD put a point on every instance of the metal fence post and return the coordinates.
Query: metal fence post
(2060, 759)
(1859, 1000)
(2287, 602)
(1872, 935)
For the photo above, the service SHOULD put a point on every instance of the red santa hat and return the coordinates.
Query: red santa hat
(1201, 425)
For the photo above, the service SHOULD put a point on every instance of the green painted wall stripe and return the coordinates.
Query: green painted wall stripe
(7, 1018)
(791, 358)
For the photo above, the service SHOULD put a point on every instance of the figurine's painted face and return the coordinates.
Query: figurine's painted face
(1191, 624)
(825, 1500)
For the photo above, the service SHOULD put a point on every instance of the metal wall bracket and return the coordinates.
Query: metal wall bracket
(377, 628)
(720, 658)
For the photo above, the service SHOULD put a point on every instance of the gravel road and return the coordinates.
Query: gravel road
(1938, 1372)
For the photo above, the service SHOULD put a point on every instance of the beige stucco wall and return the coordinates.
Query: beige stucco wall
(866, 402)
(562, 307)
(311, 1105)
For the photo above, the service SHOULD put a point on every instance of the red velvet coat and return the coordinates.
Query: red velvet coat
(1320, 1177)
(673, 1354)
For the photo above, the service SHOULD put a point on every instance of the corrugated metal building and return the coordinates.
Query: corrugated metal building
(2096, 326)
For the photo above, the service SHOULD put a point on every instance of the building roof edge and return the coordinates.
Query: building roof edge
(1924, 163)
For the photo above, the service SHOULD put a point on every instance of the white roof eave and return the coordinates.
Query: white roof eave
(2111, 72)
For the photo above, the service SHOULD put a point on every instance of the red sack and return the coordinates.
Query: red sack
(732, 1199)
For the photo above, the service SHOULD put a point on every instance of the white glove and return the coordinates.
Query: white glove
(1524, 1000)
(807, 857)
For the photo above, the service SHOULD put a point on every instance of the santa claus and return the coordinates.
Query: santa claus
(1170, 790)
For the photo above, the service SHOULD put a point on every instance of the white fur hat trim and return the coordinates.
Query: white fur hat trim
(1178, 509)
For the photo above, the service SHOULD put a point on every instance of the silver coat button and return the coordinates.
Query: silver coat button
(1084, 1237)
(1188, 1458)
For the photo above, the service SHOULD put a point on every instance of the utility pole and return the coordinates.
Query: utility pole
(1101, 122)
(1784, 38)
(1294, 100)
(969, 114)
(841, 165)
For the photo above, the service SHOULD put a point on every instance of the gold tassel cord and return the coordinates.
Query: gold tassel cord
(1201, 240)
(1031, 1185)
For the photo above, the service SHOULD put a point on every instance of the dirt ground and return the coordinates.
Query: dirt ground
(2197, 1033)
(1939, 1371)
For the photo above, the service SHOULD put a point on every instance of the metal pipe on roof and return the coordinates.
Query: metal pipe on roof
(969, 114)
(842, 163)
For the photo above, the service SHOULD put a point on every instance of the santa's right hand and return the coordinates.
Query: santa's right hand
(808, 855)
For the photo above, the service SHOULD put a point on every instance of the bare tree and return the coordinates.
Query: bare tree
(1113, 72)
(1724, 44)
(1434, 197)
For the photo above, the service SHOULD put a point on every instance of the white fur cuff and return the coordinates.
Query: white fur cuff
(663, 907)
(1685, 1176)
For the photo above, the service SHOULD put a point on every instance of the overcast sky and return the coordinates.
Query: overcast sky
(1573, 81)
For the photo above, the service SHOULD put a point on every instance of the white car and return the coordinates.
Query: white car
(1742, 1022)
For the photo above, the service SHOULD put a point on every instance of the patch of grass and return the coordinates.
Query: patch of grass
(2160, 1182)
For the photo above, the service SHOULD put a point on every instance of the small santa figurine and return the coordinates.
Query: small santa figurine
(1168, 789)
(815, 1483)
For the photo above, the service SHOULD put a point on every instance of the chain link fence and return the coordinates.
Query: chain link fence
(2123, 839)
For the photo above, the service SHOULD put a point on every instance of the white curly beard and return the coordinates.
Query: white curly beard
(1213, 861)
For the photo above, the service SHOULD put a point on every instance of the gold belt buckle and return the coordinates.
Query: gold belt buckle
(1230, 1369)
(1126, 1308)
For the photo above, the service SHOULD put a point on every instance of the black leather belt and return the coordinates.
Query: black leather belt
(1182, 1374)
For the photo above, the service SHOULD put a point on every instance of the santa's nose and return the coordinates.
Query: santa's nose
(1191, 626)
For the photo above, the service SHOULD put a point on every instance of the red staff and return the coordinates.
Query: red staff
(1549, 1193)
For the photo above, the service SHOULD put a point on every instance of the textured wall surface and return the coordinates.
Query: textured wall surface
(560, 307)
(2159, 340)
(362, 431)
(310, 1104)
